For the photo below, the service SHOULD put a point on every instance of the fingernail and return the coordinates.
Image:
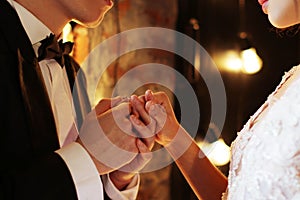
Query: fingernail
(148, 92)
(133, 98)
(148, 95)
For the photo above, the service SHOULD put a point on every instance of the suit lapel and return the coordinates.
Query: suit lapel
(35, 97)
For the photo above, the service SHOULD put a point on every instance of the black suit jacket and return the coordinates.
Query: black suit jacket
(29, 169)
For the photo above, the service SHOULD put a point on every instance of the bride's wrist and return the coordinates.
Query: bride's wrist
(179, 144)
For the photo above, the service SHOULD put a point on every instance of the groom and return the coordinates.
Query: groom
(42, 157)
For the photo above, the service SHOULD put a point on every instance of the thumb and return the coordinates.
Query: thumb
(140, 161)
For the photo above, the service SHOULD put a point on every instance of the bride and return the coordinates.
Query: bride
(265, 161)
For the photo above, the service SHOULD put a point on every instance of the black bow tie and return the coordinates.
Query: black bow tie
(52, 49)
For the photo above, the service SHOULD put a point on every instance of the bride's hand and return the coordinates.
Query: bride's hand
(160, 109)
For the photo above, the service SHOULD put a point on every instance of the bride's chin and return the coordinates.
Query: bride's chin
(278, 22)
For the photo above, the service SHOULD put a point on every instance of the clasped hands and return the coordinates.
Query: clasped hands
(125, 133)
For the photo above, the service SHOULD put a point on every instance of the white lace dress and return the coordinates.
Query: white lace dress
(265, 162)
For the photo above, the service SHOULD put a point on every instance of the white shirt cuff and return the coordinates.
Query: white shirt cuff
(84, 173)
(129, 193)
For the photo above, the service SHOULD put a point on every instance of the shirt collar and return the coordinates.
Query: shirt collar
(34, 28)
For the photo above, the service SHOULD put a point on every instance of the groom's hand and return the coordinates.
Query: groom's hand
(145, 142)
(107, 135)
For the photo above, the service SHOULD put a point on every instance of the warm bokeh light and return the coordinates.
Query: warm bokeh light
(217, 152)
(251, 61)
(233, 61)
(229, 61)
(247, 61)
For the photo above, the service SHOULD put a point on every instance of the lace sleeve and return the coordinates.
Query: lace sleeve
(266, 157)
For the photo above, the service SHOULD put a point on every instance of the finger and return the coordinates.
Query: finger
(159, 98)
(133, 109)
(120, 116)
(143, 149)
(140, 161)
(122, 110)
(139, 107)
(105, 104)
(148, 95)
(159, 115)
(123, 100)
(142, 99)
(143, 130)
(144, 133)
(126, 126)
(144, 156)
(149, 142)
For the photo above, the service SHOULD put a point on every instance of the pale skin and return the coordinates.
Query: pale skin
(283, 14)
(207, 181)
(55, 15)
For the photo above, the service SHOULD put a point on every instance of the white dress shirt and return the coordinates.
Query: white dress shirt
(84, 173)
